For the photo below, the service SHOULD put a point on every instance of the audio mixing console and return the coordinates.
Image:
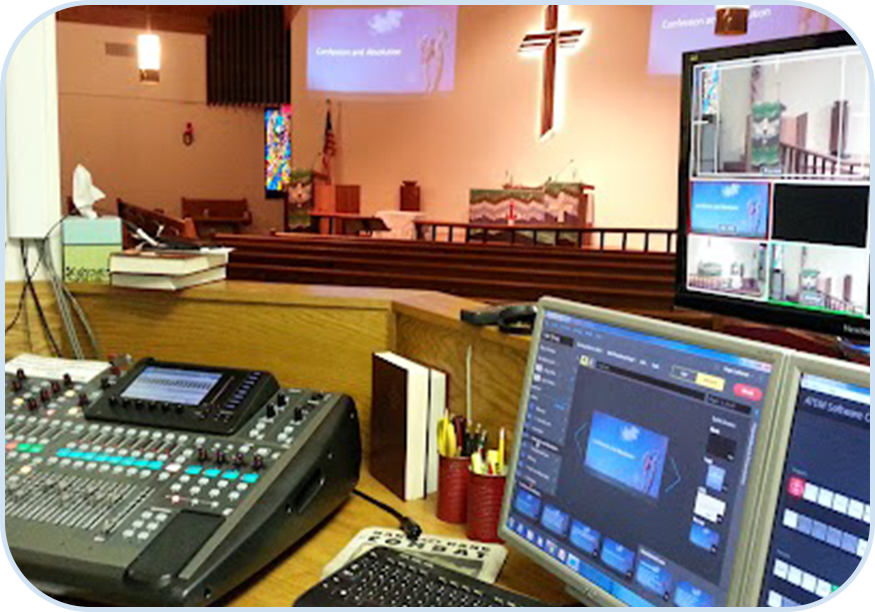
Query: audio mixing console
(169, 484)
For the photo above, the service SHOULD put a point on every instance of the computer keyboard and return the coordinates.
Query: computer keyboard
(388, 578)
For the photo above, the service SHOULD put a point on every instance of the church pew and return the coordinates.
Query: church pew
(335, 244)
(588, 276)
(496, 289)
(604, 264)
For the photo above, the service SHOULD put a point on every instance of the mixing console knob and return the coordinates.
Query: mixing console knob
(68, 381)
(270, 411)
(17, 386)
(299, 414)
(56, 387)
(45, 395)
(20, 374)
(202, 455)
(104, 383)
(83, 400)
(32, 404)
(257, 462)
(282, 400)
(221, 458)
(240, 460)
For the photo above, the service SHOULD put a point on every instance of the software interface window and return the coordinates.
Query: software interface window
(634, 463)
(823, 517)
(779, 182)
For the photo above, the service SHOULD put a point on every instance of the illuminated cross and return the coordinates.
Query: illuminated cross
(550, 41)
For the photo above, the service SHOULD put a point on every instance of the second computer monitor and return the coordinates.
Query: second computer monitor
(816, 512)
(640, 447)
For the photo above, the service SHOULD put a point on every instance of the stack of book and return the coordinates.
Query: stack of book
(168, 270)
(408, 402)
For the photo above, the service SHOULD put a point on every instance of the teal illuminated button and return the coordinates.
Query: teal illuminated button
(128, 462)
(155, 465)
(231, 475)
(101, 458)
(73, 455)
(212, 473)
(88, 457)
(141, 463)
(24, 448)
(250, 478)
(37, 448)
(194, 470)
(64, 453)
(114, 460)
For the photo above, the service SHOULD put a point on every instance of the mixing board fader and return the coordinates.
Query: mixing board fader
(131, 513)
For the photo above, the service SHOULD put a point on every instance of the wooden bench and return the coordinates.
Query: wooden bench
(212, 216)
(155, 223)
(629, 281)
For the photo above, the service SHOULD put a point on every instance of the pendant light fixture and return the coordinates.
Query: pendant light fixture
(731, 19)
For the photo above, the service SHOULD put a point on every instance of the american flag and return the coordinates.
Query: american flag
(329, 147)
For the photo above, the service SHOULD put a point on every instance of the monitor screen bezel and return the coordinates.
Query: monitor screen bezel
(583, 589)
(799, 365)
(833, 324)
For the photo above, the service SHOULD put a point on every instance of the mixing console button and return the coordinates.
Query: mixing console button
(233, 496)
(195, 490)
(128, 534)
(231, 475)
(250, 478)
(214, 493)
(143, 536)
(18, 402)
(175, 487)
(212, 473)
(203, 481)
(68, 380)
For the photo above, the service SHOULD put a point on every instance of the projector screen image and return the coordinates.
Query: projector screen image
(395, 50)
(626, 454)
(730, 209)
(677, 29)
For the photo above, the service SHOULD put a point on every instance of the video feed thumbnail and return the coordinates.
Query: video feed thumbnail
(825, 278)
(654, 576)
(727, 265)
(689, 596)
(786, 116)
(618, 557)
(827, 214)
(730, 209)
(626, 455)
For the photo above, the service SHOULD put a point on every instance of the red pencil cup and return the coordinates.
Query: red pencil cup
(485, 498)
(453, 477)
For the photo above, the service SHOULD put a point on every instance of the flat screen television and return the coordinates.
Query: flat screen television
(774, 184)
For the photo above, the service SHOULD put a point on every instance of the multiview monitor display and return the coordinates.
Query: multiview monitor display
(638, 457)
(774, 191)
(821, 523)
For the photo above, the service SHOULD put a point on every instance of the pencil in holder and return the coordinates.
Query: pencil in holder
(485, 499)
(453, 478)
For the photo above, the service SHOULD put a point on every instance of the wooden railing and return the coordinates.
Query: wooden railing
(796, 160)
(600, 239)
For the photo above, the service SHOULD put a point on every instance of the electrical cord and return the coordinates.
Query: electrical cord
(410, 527)
(24, 290)
(28, 279)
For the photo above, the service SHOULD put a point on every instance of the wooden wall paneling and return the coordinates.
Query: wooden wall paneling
(497, 367)
(327, 348)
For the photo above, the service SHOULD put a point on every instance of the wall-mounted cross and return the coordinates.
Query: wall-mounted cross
(550, 41)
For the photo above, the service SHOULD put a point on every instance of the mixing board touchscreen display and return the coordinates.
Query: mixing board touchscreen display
(186, 387)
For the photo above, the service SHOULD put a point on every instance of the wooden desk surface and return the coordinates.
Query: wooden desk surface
(297, 572)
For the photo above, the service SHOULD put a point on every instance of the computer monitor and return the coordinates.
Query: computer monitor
(640, 445)
(773, 193)
(815, 511)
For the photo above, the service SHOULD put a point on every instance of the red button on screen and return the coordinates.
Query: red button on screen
(747, 392)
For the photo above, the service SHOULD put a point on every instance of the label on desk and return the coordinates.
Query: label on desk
(480, 561)
(81, 372)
